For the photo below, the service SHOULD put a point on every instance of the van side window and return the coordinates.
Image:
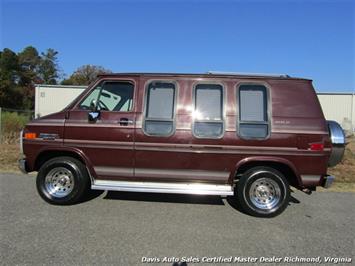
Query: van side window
(208, 112)
(253, 118)
(160, 108)
(110, 96)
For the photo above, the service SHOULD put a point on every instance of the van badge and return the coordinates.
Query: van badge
(48, 136)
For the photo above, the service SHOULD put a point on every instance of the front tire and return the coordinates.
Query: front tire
(263, 192)
(62, 180)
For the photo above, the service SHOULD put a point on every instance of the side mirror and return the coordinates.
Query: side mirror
(93, 105)
(93, 116)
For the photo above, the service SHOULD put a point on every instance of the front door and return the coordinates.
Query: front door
(106, 137)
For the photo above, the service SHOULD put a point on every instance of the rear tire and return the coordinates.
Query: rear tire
(263, 192)
(62, 180)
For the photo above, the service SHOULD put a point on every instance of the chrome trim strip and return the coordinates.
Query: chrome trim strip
(45, 121)
(42, 141)
(123, 145)
(112, 125)
(80, 141)
(45, 124)
(310, 178)
(178, 173)
(113, 171)
(157, 187)
(292, 131)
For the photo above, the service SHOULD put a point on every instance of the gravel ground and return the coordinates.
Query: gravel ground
(122, 228)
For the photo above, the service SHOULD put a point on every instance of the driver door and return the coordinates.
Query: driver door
(107, 138)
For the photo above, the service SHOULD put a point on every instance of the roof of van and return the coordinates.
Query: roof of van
(208, 75)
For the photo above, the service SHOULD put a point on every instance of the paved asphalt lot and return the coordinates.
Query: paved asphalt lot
(121, 228)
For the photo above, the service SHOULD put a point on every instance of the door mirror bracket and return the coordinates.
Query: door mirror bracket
(93, 105)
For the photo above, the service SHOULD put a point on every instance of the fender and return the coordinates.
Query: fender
(74, 150)
(269, 159)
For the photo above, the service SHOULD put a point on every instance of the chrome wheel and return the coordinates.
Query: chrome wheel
(265, 193)
(59, 182)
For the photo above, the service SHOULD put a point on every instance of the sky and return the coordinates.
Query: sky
(313, 39)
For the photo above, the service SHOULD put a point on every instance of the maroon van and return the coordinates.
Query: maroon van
(215, 134)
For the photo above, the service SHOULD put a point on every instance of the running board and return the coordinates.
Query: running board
(158, 187)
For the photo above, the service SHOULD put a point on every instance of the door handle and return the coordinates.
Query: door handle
(125, 122)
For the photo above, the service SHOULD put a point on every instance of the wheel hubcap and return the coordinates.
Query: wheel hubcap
(59, 182)
(265, 193)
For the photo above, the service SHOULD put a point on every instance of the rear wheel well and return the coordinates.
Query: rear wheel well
(47, 155)
(283, 168)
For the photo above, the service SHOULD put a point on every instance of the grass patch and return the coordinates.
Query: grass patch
(9, 156)
(11, 125)
(344, 172)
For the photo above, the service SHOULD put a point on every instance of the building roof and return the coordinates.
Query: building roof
(61, 86)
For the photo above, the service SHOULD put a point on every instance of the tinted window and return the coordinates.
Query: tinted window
(253, 130)
(253, 120)
(110, 96)
(252, 105)
(160, 100)
(91, 99)
(115, 96)
(160, 106)
(209, 102)
(208, 112)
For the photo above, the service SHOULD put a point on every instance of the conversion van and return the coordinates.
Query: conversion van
(252, 136)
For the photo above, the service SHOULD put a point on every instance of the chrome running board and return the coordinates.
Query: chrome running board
(158, 187)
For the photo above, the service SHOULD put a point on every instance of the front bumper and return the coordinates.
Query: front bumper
(328, 181)
(22, 165)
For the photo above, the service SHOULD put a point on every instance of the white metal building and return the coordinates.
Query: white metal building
(339, 107)
(53, 98)
(336, 106)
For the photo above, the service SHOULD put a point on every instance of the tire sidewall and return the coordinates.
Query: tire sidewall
(249, 178)
(77, 175)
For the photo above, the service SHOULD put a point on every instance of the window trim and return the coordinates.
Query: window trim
(101, 82)
(145, 105)
(102, 87)
(268, 122)
(223, 120)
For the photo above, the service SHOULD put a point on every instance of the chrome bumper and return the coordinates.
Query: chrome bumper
(22, 165)
(328, 181)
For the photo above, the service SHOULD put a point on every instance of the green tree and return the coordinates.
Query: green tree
(48, 67)
(84, 75)
(29, 63)
(29, 60)
(19, 73)
(10, 91)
